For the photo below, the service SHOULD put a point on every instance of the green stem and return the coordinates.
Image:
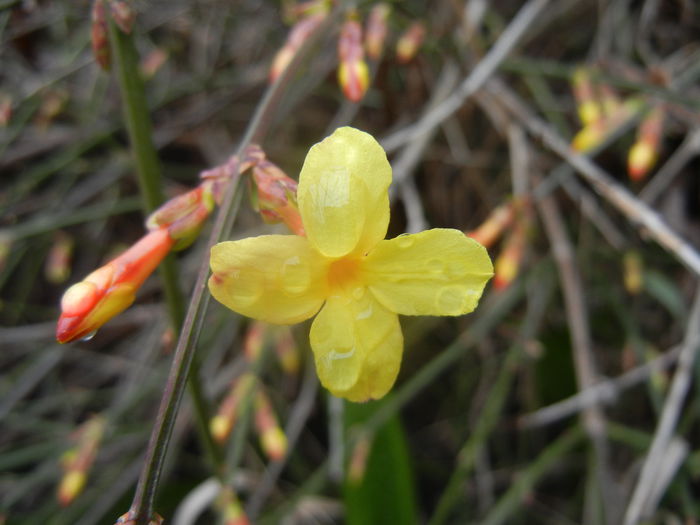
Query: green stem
(138, 124)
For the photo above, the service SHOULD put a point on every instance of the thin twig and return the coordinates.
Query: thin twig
(647, 484)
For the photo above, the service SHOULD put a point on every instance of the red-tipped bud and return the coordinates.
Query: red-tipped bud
(272, 438)
(123, 14)
(509, 260)
(230, 507)
(645, 151)
(594, 134)
(5, 109)
(99, 35)
(632, 272)
(287, 351)
(58, 262)
(183, 216)
(409, 42)
(152, 63)
(358, 460)
(589, 109)
(375, 35)
(222, 423)
(76, 462)
(108, 291)
(492, 228)
(301, 31)
(254, 340)
(276, 196)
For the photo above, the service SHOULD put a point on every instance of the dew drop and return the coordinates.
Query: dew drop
(246, 293)
(88, 336)
(336, 355)
(296, 277)
(358, 293)
(405, 241)
(436, 266)
(364, 314)
(450, 299)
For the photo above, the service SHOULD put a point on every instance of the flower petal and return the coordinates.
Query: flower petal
(435, 272)
(357, 344)
(342, 193)
(273, 278)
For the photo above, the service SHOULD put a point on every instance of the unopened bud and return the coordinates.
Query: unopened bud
(272, 438)
(632, 265)
(57, 268)
(645, 151)
(409, 42)
(593, 135)
(152, 63)
(509, 260)
(183, 216)
(358, 460)
(589, 109)
(254, 340)
(287, 351)
(230, 507)
(77, 461)
(492, 228)
(301, 31)
(129, 518)
(353, 73)
(222, 423)
(122, 14)
(99, 35)
(71, 486)
(375, 35)
(277, 196)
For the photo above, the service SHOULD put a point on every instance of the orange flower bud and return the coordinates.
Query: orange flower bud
(276, 196)
(57, 267)
(122, 14)
(254, 341)
(492, 228)
(108, 291)
(222, 423)
(77, 461)
(645, 151)
(589, 109)
(272, 438)
(353, 73)
(358, 460)
(409, 42)
(183, 216)
(508, 261)
(375, 35)
(98, 34)
(297, 36)
(231, 508)
(287, 351)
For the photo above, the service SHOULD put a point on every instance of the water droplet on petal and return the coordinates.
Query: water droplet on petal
(88, 336)
(450, 300)
(296, 277)
(436, 267)
(245, 292)
(405, 241)
(358, 293)
(364, 314)
(337, 355)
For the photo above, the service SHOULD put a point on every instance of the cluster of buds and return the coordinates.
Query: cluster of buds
(312, 15)
(512, 220)
(600, 111)
(230, 508)
(645, 151)
(122, 14)
(353, 73)
(77, 461)
(410, 42)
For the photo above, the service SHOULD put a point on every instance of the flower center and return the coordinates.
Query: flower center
(344, 274)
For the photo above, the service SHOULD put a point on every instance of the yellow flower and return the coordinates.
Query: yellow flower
(346, 269)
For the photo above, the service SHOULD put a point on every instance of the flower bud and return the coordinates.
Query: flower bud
(593, 135)
(184, 216)
(375, 35)
(409, 42)
(492, 228)
(632, 267)
(57, 267)
(287, 351)
(272, 438)
(222, 423)
(508, 262)
(353, 73)
(122, 14)
(152, 62)
(254, 341)
(645, 151)
(276, 196)
(77, 461)
(130, 519)
(301, 31)
(231, 508)
(109, 290)
(589, 109)
(99, 35)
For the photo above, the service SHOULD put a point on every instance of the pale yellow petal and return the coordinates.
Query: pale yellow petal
(357, 344)
(435, 272)
(342, 193)
(275, 278)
